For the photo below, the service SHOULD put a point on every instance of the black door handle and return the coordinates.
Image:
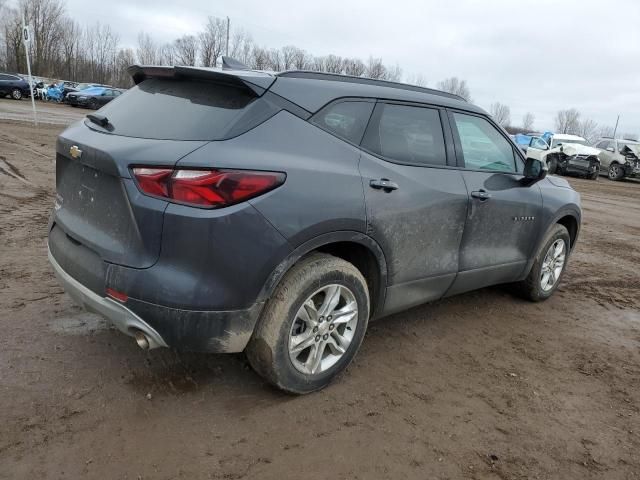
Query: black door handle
(384, 184)
(481, 195)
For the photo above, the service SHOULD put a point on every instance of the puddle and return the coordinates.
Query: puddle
(79, 324)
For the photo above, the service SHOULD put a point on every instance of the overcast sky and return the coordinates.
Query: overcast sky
(538, 56)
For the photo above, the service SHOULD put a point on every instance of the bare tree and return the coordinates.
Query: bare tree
(212, 41)
(418, 80)
(274, 57)
(588, 129)
(288, 57)
(528, 121)
(394, 74)
(354, 66)
(456, 86)
(240, 46)
(568, 121)
(333, 64)
(185, 50)
(317, 64)
(376, 69)
(147, 51)
(501, 114)
(301, 60)
(259, 58)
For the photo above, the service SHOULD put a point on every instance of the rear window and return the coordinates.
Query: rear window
(178, 110)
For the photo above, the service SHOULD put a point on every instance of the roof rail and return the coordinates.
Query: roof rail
(336, 77)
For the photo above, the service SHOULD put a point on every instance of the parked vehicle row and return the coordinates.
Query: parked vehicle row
(90, 95)
(570, 154)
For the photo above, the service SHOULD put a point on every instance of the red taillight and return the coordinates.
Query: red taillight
(121, 297)
(206, 188)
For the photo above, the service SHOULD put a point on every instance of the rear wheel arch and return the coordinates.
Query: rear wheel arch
(354, 247)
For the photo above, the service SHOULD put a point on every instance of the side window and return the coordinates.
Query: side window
(116, 93)
(604, 144)
(4, 77)
(407, 134)
(483, 147)
(539, 143)
(346, 119)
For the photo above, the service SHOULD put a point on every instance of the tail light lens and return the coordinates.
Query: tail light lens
(205, 188)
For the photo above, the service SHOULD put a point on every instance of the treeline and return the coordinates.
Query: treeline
(61, 48)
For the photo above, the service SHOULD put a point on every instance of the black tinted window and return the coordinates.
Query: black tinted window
(345, 119)
(178, 110)
(483, 147)
(407, 134)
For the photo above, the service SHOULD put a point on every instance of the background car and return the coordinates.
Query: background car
(566, 154)
(620, 158)
(13, 85)
(94, 97)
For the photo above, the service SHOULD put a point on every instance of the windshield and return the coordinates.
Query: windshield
(558, 141)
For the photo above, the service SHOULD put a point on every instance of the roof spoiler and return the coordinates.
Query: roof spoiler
(257, 82)
(229, 63)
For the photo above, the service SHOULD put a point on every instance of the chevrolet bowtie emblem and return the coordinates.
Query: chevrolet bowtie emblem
(75, 152)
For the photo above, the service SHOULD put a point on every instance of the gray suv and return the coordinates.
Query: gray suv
(277, 214)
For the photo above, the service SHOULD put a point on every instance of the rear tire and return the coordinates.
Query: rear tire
(537, 287)
(16, 94)
(616, 172)
(277, 348)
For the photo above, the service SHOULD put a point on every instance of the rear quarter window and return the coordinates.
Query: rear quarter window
(347, 119)
(182, 109)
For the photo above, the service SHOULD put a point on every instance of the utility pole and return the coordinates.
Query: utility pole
(26, 38)
(228, 27)
(616, 129)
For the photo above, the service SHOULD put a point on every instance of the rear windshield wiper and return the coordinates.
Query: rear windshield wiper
(98, 119)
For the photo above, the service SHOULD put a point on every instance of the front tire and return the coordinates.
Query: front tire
(16, 94)
(93, 105)
(553, 165)
(312, 326)
(616, 172)
(548, 266)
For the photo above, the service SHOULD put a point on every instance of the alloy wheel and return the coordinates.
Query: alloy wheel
(553, 264)
(323, 329)
(614, 171)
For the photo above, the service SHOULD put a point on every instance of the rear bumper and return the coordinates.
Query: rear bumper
(201, 331)
(122, 318)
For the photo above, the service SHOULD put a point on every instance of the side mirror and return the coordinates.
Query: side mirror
(534, 170)
(610, 149)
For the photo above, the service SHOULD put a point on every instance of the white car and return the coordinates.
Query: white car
(566, 154)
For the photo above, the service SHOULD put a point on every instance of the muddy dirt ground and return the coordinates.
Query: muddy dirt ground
(483, 386)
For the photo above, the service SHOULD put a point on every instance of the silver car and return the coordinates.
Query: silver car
(619, 158)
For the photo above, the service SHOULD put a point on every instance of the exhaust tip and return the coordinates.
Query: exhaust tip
(142, 340)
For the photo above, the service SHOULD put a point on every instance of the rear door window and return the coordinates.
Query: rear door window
(347, 119)
(406, 134)
(178, 110)
(483, 147)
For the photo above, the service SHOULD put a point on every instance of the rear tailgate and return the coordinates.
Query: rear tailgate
(167, 115)
(97, 202)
